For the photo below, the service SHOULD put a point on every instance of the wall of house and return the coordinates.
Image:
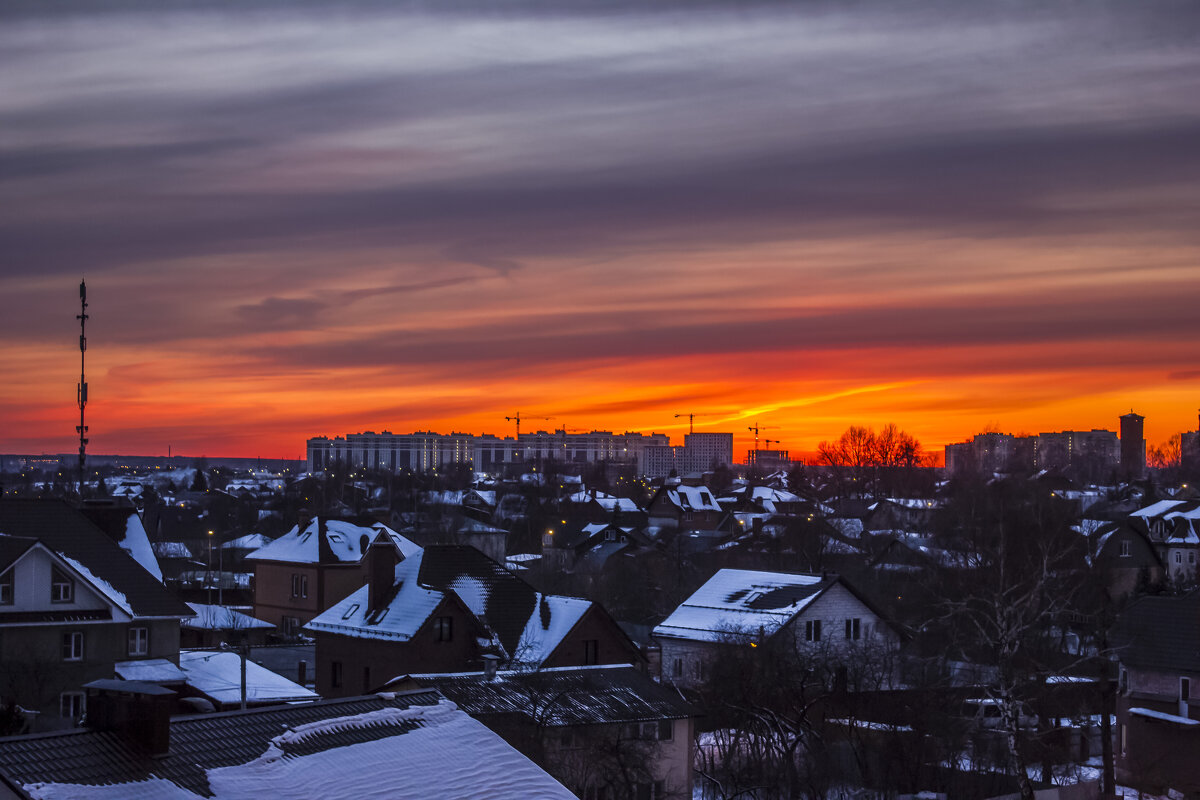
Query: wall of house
(685, 662)
(273, 600)
(612, 646)
(339, 582)
(34, 672)
(32, 578)
(384, 659)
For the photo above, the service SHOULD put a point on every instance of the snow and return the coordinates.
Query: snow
(218, 674)
(693, 498)
(723, 605)
(1163, 716)
(538, 643)
(473, 592)
(250, 540)
(137, 544)
(151, 670)
(448, 755)
(412, 605)
(215, 618)
(171, 550)
(104, 587)
(344, 539)
(1157, 509)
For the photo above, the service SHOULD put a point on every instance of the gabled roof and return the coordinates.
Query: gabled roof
(330, 540)
(527, 624)
(743, 601)
(120, 520)
(567, 695)
(412, 745)
(1161, 633)
(66, 531)
(688, 498)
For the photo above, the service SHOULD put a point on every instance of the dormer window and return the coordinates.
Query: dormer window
(62, 587)
(7, 588)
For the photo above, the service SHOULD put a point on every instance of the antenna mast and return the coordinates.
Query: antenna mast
(82, 389)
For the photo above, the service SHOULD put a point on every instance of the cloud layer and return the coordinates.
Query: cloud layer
(299, 219)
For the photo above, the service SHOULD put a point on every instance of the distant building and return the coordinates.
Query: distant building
(1092, 455)
(1133, 446)
(1189, 449)
(700, 452)
(424, 451)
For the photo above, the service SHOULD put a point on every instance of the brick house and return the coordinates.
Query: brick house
(314, 565)
(442, 610)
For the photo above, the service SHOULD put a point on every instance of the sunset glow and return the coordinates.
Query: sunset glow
(300, 223)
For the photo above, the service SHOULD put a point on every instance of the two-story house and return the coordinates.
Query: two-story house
(737, 608)
(314, 565)
(73, 606)
(443, 610)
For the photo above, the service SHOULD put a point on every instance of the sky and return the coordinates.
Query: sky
(302, 219)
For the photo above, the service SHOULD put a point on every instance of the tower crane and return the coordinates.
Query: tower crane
(756, 428)
(517, 419)
(691, 420)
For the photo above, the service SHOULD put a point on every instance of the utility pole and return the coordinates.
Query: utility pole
(82, 389)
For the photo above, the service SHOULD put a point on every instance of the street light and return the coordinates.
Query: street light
(208, 575)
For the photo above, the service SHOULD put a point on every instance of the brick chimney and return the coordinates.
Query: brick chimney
(138, 712)
(380, 561)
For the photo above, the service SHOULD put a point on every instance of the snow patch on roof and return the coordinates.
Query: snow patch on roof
(402, 618)
(221, 618)
(137, 544)
(104, 587)
(218, 674)
(538, 642)
(739, 600)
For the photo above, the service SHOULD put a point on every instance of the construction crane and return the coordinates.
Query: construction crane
(756, 427)
(517, 419)
(767, 442)
(691, 420)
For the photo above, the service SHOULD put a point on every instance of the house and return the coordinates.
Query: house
(738, 607)
(1174, 528)
(686, 509)
(442, 610)
(1125, 556)
(73, 604)
(395, 745)
(1158, 695)
(314, 565)
(601, 731)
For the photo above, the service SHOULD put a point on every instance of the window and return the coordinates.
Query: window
(1185, 689)
(291, 625)
(299, 585)
(591, 651)
(812, 630)
(1178, 558)
(139, 641)
(7, 588)
(335, 674)
(1191, 556)
(1126, 549)
(666, 730)
(72, 646)
(70, 705)
(854, 628)
(698, 669)
(62, 588)
(677, 667)
(443, 629)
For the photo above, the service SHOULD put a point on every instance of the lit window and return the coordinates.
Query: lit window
(139, 641)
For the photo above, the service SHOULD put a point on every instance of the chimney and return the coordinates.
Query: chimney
(380, 561)
(138, 712)
(490, 662)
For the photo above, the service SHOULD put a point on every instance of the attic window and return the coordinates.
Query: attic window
(62, 588)
(350, 611)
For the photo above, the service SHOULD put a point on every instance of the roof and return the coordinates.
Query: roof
(527, 624)
(247, 542)
(12, 548)
(65, 530)
(690, 498)
(411, 745)
(329, 540)
(120, 520)
(218, 675)
(150, 670)
(740, 600)
(1160, 633)
(570, 695)
(222, 618)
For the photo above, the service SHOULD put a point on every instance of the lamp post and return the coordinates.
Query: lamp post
(208, 576)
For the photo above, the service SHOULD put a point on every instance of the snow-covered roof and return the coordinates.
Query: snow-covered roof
(343, 537)
(692, 498)
(221, 618)
(218, 674)
(539, 640)
(151, 670)
(403, 617)
(171, 550)
(392, 748)
(1162, 716)
(741, 601)
(1157, 509)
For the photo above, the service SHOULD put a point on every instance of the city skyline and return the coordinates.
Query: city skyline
(302, 221)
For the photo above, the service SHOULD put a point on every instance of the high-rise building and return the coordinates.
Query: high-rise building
(1133, 446)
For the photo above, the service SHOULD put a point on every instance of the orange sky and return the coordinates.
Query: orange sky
(297, 223)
